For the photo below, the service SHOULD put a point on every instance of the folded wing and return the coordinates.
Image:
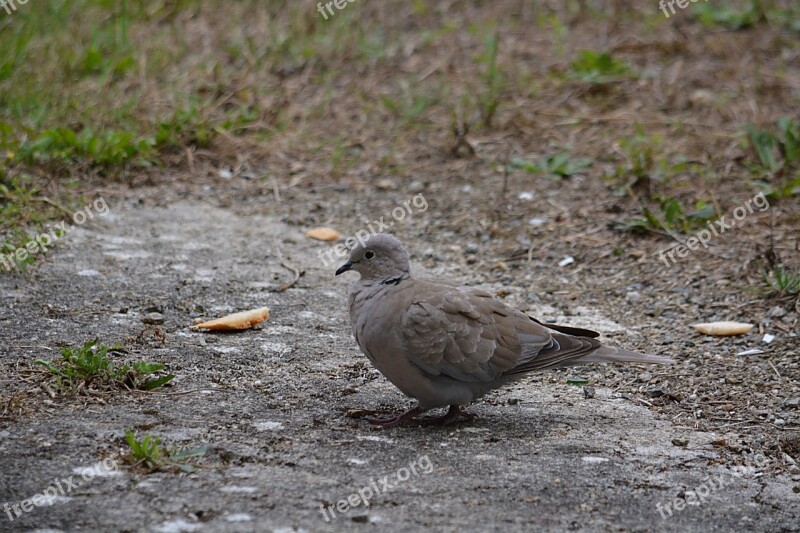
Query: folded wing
(469, 336)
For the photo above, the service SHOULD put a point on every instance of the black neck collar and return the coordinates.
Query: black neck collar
(395, 280)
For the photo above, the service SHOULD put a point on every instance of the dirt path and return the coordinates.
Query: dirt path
(272, 404)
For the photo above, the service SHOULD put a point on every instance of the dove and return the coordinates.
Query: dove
(445, 345)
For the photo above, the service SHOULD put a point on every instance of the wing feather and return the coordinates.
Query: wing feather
(465, 334)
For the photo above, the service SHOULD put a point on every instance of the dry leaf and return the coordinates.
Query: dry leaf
(323, 234)
(236, 321)
(723, 328)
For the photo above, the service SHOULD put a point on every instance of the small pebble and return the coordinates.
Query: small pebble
(633, 296)
(385, 185)
(776, 312)
(588, 392)
(153, 318)
(416, 186)
(680, 442)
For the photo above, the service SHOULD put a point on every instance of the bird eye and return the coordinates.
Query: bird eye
(370, 254)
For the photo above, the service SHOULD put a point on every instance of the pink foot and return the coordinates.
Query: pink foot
(399, 420)
(453, 415)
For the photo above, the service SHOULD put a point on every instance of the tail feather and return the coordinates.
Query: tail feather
(569, 346)
(569, 330)
(607, 354)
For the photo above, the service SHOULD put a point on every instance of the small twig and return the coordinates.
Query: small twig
(48, 201)
(48, 390)
(645, 402)
(655, 121)
(716, 204)
(505, 174)
(182, 393)
(276, 191)
(33, 346)
(190, 161)
(776, 370)
(433, 68)
(287, 266)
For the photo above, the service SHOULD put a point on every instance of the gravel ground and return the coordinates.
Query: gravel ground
(280, 406)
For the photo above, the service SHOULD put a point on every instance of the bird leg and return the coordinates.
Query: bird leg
(453, 415)
(398, 420)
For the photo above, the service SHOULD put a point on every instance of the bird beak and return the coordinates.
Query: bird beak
(344, 268)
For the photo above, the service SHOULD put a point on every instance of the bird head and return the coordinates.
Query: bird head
(379, 256)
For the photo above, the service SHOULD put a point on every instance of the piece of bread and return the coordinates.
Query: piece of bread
(236, 321)
(723, 328)
(323, 234)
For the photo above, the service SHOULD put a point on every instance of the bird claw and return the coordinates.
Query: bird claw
(399, 420)
(452, 416)
(391, 421)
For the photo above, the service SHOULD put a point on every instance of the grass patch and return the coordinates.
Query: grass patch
(669, 216)
(96, 90)
(24, 206)
(599, 67)
(643, 166)
(778, 148)
(148, 453)
(744, 15)
(727, 16)
(783, 282)
(562, 164)
(107, 149)
(493, 82)
(776, 154)
(89, 367)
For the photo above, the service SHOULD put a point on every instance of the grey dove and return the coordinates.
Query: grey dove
(446, 345)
